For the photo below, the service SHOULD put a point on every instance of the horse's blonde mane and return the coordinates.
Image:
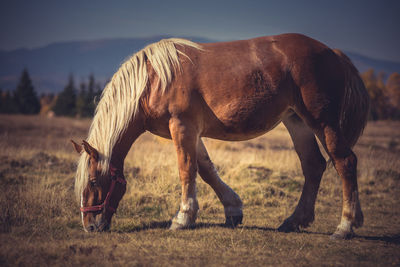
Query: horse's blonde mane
(120, 100)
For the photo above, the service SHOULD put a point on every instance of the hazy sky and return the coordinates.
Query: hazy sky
(367, 27)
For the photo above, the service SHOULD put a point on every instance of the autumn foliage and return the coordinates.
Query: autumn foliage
(385, 95)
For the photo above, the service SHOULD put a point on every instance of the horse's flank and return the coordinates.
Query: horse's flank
(120, 99)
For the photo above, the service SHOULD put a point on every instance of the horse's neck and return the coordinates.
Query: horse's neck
(124, 143)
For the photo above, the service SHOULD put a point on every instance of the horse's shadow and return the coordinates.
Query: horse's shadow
(392, 239)
(167, 224)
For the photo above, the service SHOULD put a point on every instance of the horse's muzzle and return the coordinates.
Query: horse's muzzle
(102, 227)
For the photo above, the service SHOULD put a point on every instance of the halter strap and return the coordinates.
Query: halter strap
(114, 179)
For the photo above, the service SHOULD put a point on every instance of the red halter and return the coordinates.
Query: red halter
(106, 204)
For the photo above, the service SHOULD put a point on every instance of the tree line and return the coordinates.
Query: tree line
(71, 101)
(383, 91)
(385, 96)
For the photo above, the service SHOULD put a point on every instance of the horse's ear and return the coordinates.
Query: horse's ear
(78, 148)
(90, 150)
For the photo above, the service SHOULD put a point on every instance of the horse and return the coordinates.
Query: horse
(230, 91)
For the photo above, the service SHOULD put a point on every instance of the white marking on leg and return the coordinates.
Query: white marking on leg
(345, 224)
(187, 213)
(189, 205)
(182, 218)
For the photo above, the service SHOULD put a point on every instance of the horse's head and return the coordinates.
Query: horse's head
(102, 194)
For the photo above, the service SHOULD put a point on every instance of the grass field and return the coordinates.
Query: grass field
(40, 219)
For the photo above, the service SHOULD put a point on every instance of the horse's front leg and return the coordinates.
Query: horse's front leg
(231, 201)
(185, 139)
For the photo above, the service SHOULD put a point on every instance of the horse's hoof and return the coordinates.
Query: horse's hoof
(177, 226)
(233, 221)
(340, 234)
(288, 226)
(182, 221)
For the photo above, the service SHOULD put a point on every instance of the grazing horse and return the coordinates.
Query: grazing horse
(230, 91)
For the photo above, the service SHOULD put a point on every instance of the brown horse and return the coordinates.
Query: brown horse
(228, 91)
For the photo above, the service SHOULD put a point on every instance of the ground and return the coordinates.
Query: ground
(40, 219)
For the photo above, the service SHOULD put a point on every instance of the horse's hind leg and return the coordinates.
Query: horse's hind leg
(185, 139)
(313, 165)
(231, 201)
(345, 162)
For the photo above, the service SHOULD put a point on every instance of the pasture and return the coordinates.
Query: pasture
(40, 219)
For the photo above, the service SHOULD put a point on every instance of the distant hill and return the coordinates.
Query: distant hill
(363, 63)
(49, 66)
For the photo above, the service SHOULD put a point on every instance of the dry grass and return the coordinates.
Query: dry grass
(40, 221)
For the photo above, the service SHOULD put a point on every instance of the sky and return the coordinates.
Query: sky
(371, 28)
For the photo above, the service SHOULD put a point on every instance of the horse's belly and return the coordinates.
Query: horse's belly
(230, 134)
(243, 121)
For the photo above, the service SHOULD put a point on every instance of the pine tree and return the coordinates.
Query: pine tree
(81, 101)
(8, 104)
(66, 100)
(90, 96)
(25, 96)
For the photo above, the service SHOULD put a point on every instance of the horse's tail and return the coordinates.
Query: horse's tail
(355, 104)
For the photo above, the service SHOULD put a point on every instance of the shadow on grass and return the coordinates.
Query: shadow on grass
(146, 226)
(167, 224)
(393, 239)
